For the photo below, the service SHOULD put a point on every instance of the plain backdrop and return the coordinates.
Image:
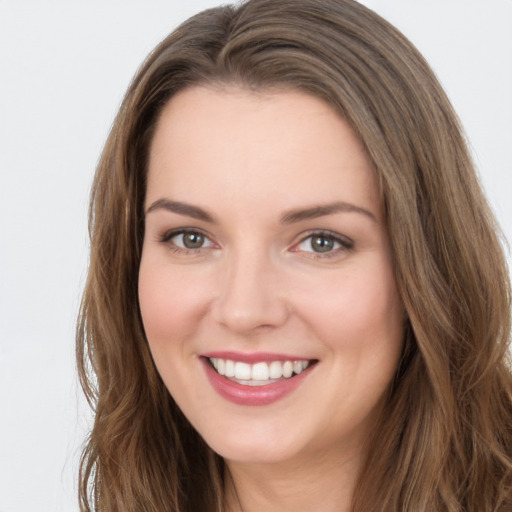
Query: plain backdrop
(64, 68)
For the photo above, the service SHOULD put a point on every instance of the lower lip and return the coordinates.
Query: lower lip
(252, 395)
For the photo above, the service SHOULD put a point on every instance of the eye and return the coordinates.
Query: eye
(319, 243)
(189, 240)
(324, 244)
(186, 240)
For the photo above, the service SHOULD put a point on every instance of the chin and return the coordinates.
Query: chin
(253, 447)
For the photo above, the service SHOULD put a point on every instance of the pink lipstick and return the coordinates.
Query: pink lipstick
(257, 378)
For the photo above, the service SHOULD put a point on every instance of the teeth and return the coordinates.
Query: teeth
(229, 369)
(260, 373)
(276, 370)
(242, 371)
(287, 369)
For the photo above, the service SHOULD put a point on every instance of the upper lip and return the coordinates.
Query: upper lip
(255, 357)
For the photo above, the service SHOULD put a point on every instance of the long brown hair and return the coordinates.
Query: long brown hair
(445, 435)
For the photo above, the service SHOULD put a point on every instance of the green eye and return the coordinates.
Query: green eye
(319, 243)
(322, 243)
(186, 240)
(192, 240)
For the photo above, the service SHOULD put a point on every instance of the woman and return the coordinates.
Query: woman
(297, 298)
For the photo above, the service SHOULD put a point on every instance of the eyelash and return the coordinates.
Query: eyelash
(169, 235)
(345, 244)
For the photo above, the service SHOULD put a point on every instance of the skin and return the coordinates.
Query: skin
(258, 285)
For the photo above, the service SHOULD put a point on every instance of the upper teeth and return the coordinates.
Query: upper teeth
(258, 371)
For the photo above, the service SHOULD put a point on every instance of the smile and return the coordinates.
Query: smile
(258, 374)
(255, 379)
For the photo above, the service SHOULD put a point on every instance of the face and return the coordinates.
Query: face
(266, 286)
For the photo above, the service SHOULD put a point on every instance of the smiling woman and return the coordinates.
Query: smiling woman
(274, 273)
(297, 298)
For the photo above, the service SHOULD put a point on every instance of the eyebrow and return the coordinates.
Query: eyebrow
(289, 217)
(181, 208)
(314, 212)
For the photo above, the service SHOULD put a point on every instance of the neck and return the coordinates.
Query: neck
(324, 485)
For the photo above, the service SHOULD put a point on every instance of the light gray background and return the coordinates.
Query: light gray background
(64, 68)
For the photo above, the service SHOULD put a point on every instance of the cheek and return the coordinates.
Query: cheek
(358, 310)
(374, 305)
(170, 303)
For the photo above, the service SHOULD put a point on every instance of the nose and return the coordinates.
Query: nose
(250, 294)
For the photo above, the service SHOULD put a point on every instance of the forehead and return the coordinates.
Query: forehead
(245, 145)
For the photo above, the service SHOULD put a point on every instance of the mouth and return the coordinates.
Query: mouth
(260, 373)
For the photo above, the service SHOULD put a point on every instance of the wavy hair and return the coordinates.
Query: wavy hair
(445, 436)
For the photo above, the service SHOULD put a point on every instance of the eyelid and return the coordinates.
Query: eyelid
(346, 244)
(166, 238)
